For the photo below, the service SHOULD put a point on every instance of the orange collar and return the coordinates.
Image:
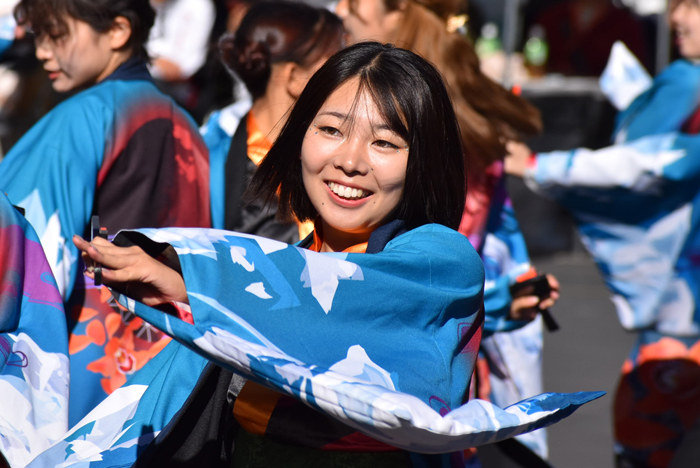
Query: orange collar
(258, 144)
(318, 242)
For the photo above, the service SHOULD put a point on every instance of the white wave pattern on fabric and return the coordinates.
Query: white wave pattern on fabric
(57, 252)
(204, 237)
(258, 289)
(38, 415)
(642, 260)
(323, 276)
(238, 257)
(98, 432)
(396, 418)
(224, 310)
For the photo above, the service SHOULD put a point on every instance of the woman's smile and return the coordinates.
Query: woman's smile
(347, 192)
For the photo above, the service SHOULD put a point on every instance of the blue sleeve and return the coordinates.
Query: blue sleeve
(673, 97)
(654, 173)
(421, 295)
(52, 173)
(505, 258)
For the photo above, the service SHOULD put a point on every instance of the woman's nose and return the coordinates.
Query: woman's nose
(42, 51)
(353, 159)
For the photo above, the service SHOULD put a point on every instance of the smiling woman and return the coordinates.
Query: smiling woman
(353, 167)
(385, 296)
(377, 122)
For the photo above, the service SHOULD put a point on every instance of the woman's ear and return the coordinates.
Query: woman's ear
(296, 80)
(120, 33)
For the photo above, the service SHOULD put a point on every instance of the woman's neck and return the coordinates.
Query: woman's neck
(117, 58)
(270, 113)
(339, 241)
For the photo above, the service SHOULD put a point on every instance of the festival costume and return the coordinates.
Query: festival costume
(636, 204)
(349, 361)
(237, 146)
(511, 352)
(123, 151)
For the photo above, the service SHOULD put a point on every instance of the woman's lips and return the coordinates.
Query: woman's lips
(350, 201)
(346, 192)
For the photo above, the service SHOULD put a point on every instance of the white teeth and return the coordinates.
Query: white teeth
(346, 192)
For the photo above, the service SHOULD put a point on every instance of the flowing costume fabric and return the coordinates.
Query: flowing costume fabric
(324, 354)
(636, 204)
(124, 151)
(511, 350)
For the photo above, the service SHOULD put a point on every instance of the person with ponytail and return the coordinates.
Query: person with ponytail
(488, 117)
(276, 49)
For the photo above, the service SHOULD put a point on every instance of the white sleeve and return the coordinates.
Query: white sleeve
(181, 35)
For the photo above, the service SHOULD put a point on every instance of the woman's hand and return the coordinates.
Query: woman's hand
(516, 160)
(133, 272)
(525, 306)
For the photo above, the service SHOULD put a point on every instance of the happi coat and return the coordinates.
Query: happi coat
(637, 206)
(383, 342)
(124, 151)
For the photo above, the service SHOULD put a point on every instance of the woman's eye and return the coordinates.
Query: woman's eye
(385, 144)
(332, 131)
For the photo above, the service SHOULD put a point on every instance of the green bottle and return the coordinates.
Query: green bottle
(536, 51)
(488, 43)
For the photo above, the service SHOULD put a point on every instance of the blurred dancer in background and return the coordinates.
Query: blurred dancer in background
(488, 116)
(178, 45)
(636, 206)
(276, 49)
(119, 149)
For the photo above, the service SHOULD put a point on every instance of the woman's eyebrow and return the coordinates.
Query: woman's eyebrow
(339, 115)
(382, 126)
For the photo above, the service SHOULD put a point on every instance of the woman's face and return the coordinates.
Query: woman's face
(353, 165)
(685, 19)
(368, 20)
(76, 60)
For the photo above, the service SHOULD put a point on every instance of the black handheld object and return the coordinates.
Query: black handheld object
(541, 289)
(97, 231)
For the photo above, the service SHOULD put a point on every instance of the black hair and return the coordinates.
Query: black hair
(47, 17)
(276, 32)
(411, 96)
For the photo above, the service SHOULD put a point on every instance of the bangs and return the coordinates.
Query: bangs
(381, 95)
(43, 18)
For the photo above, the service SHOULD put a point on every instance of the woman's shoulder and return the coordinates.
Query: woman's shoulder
(103, 99)
(436, 239)
(680, 73)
